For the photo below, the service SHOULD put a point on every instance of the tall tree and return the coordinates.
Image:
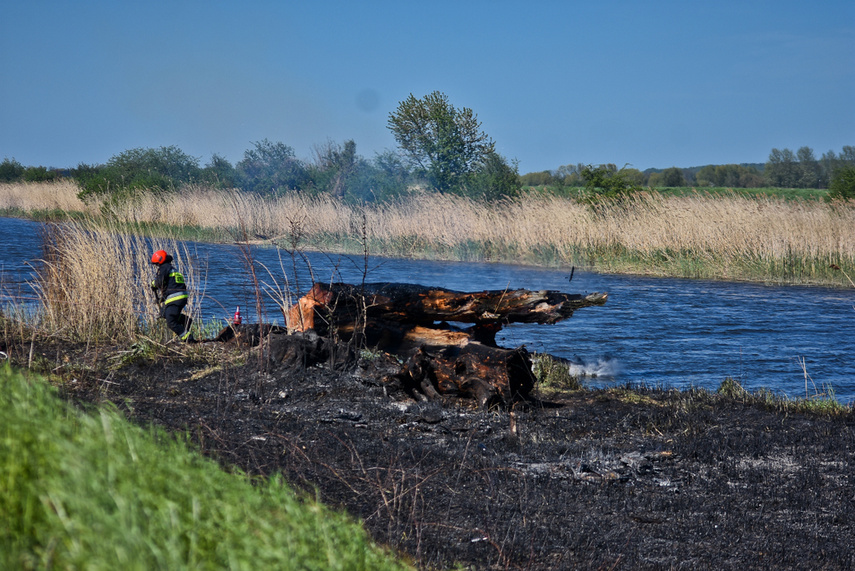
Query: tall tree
(494, 179)
(11, 170)
(782, 170)
(271, 167)
(673, 177)
(811, 176)
(334, 164)
(731, 176)
(442, 142)
(219, 172)
(606, 182)
(842, 184)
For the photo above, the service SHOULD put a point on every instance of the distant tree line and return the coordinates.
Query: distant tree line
(13, 171)
(441, 148)
(784, 169)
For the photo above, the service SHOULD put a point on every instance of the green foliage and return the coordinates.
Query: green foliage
(781, 169)
(554, 374)
(339, 171)
(731, 388)
(568, 176)
(271, 167)
(162, 169)
(219, 173)
(334, 167)
(385, 178)
(842, 184)
(39, 174)
(11, 170)
(443, 143)
(786, 169)
(606, 182)
(268, 167)
(729, 176)
(669, 178)
(542, 178)
(571, 175)
(93, 491)
(494, 179)
(810, 173)
(168, 166)
(672, 177)
(823, 404)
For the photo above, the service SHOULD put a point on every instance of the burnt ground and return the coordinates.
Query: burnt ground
(597, 479)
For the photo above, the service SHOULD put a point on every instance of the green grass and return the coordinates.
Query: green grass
(554, 375)
(787, 193)
(93, 491)
(821, 403)
(55, 215)
(186, 233)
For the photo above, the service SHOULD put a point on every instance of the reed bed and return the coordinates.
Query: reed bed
(722, 236)
(94, 281)
(42, 197)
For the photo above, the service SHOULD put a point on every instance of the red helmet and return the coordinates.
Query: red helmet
(159, 257)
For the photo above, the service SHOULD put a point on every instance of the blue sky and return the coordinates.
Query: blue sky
(649, 84)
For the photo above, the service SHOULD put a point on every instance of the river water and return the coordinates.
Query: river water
(670, 333)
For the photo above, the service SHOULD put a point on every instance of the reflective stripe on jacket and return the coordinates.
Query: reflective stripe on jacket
(175, 297)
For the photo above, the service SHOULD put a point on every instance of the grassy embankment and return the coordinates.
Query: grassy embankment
(715, 235)
(92, 491)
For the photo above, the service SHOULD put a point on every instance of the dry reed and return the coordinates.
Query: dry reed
(40, 196)
(94, 282)
(699, 235)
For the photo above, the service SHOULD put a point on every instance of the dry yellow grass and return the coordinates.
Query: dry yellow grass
(32, 196)
(729, 237)
(94, 282)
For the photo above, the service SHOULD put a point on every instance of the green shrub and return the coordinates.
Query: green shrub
(11, 170)
(842, 184)
(494, 179)
(219, 173)
(554, 374)
(271, 168)
(731, 388)
(39, 174)
(607, 183)
(166, 168)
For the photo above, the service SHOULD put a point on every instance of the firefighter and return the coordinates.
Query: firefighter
(171, 292)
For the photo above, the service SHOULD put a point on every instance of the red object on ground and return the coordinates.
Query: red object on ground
(237, 318)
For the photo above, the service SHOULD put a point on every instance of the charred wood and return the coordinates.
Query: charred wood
(340, 303)
(417, 325)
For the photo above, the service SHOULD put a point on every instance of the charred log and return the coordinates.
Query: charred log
(489, 375)
(303, 349)
(339, 303)
(416, 325)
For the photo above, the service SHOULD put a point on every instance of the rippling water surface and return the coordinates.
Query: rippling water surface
(656, 331)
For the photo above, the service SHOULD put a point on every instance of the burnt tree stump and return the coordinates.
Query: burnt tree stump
(414, 323)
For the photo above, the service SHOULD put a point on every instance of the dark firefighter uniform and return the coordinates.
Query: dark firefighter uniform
(171, 291)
